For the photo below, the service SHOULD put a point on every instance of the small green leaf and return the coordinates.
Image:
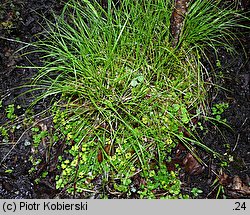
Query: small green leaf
(35, 129)
(176, 107)
(8, 171)
(140, 78)
(134, 82)
(44, 174)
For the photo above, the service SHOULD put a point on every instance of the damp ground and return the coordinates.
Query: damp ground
(21, 20)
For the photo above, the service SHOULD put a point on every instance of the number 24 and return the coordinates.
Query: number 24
(240, 206)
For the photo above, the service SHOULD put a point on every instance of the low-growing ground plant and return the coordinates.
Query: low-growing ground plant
(126, 96)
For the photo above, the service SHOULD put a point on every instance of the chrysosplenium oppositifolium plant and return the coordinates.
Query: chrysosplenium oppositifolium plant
(125, 95)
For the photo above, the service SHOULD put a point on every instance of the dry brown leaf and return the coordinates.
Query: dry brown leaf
(239, 187)
(192, 166)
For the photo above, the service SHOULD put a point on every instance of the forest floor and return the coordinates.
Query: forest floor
(21, 20)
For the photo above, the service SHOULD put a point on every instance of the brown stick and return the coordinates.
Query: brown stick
(177, 19)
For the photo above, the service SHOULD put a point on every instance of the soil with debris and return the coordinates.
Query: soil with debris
(22, 20)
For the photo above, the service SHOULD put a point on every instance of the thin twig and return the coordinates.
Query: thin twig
(237, 141)
(244, 122)
(17, 41)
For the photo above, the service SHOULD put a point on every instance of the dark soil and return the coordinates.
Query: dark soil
(22, 19)
(234, 142)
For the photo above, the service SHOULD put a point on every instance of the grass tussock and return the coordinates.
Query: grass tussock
(127, 96)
